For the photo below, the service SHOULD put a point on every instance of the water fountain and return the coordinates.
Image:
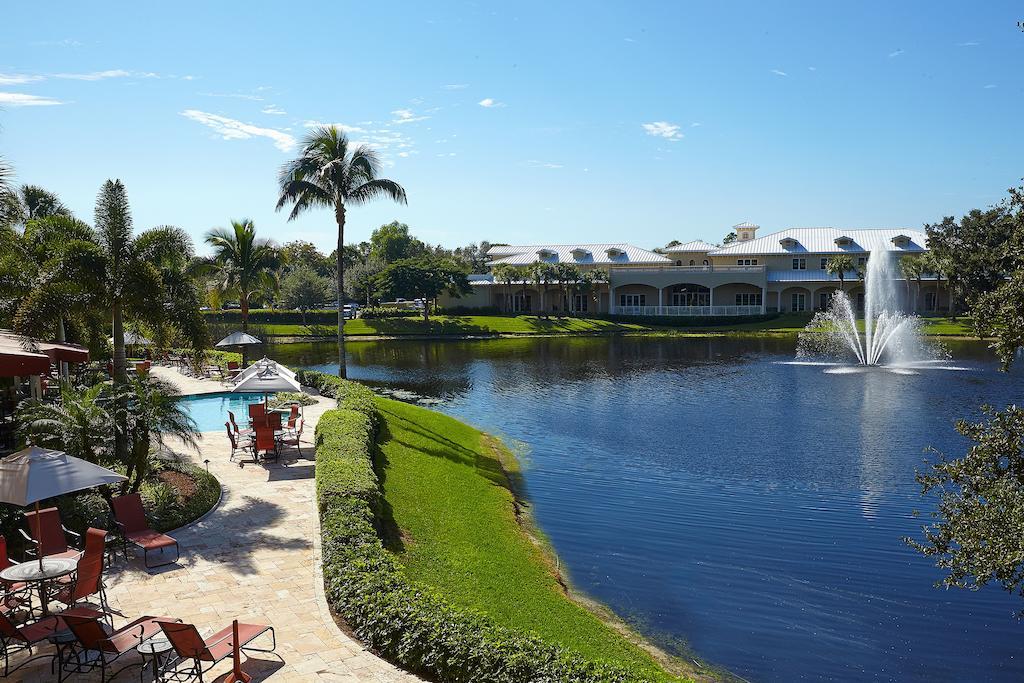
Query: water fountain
(890, 337)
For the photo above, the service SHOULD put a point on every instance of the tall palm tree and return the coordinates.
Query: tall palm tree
(912, 266)
(8, 200)
(330, 173)
(839, 265)
(505, 273)
(33, 202)
(242, 263)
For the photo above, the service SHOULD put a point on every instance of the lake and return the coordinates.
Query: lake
(728, 503)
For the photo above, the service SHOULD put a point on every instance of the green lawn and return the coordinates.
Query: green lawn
(787, 323)
(451, 520)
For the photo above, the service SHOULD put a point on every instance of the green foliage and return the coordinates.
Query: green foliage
(404, 622)
(1000, 314)
(378, 312)
(303, 289)
(392, 242)
(349, 395)
(301, 254)
(77, 424)
(242, 264)
(840, 265)
(424, 278)
(287, 398)
(259, 316)
(975, 536)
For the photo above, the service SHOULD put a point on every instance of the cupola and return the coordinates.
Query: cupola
(745, 231)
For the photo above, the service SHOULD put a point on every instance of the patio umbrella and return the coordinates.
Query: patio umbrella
(134, 339)
(266, 377)
(237, 339)
(35, 474)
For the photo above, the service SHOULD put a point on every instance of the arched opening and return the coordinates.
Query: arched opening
(706, 263)
(689, 295)
(823, 297)
(795, 300)
(679, 262)
(692, 262)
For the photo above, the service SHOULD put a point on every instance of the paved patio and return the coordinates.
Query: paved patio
(255, 558)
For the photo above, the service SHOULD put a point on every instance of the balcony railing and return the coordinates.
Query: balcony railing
(702, 311)
(689, 269)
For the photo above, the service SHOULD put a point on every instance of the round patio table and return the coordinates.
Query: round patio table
(157, 651)
(30, 572)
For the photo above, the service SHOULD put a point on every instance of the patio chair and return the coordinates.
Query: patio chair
(233, 369)
(131, 519)
(274, 420)
(14, 639)
(100, 649)
(204, 654)
(88, 579)
(12, 594)
(237, 446)
(234, 425)
(53, 540)
(265, 443)
(294, 437)
(257, 410)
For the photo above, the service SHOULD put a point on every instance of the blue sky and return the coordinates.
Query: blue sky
(528, 121)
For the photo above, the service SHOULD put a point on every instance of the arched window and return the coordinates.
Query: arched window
(692, 262)
(706, 262)
(679, 263)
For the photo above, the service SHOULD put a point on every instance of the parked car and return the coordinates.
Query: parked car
(351, 311)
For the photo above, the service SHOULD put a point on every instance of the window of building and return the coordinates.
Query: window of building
(929, 301)
(632, 299)
(706, 262)
(690, 295)
(579, 303)
(862, 260)
(860, 302)
(521, 302)
(679, 263)
(823, 263)
(798, 301)
(746, 262)
(692, 262)
(748, 299)
(800, 264)
(823, 300)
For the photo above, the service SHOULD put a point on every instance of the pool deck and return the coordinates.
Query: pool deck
(255, 558)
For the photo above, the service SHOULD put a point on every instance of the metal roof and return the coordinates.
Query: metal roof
(822, 241)
(695, 245)
(579, 254)
(813, 275)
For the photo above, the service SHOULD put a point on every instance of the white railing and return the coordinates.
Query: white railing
(689, 269)
(688, 310)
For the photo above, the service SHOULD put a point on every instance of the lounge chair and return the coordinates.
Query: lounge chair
(100, 649)
(53, 536)
(131, 519)
(15, 638)
(204, 654)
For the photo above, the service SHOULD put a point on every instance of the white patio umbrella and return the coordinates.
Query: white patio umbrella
(266, 378)
(134, 339)
(237, 338)
(35, 474)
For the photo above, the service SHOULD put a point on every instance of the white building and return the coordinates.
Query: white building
(783, 271)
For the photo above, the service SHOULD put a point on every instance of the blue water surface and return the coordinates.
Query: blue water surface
(728, 503)
(210, 411)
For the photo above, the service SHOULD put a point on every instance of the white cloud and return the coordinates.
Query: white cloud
(456, 86)
(629, 40)
(407, 116)
(231, 129)
(67, 42)
(17, 99)
(18, 79)
(990, 86)
(533, 163)
(663, 129)
(273, 109)
(969, 43)
(779, 73)
(233, 95)
(812, 68)
(344, 128)
(490, 103)
(895, 53)
(101, 75)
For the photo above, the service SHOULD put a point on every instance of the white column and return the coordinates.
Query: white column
(661, 300)
(611, 298)
(711, 299)
(764, 300)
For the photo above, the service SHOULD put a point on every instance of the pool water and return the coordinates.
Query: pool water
(210, 411)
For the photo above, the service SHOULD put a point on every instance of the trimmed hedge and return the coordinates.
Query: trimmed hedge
(405, 622)
(378, 312)
(265, 316)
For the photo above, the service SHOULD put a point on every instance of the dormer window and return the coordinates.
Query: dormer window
(543, 254)
(580, 254)
(614, 252)
(843, 241)
(901, 241)
(788, 242)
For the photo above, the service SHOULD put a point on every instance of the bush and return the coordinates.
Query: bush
(405, 622)
(376, 312)
(350, 395)
(272, 317)
(472, 310)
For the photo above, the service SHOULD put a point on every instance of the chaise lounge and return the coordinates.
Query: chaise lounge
(131, 520)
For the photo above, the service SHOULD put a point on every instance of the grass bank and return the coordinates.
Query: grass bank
(525, 325)
(452, 519)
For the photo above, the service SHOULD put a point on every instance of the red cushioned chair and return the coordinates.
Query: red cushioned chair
(265, 443)
(12, 594)
(205, 654)
(100, 649)
(131, 519)
(15, 639)
(53, 535)
(88, 578)
(256, 410)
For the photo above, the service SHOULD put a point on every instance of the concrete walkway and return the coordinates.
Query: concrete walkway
(255, 558)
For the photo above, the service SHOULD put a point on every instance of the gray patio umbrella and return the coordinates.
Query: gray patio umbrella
(237, 338)
(35, 474)
(267, 378)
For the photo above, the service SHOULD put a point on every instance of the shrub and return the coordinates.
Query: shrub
(405, 622)
(471, 310)
(272, 317)
(374, 312)
(350, 395)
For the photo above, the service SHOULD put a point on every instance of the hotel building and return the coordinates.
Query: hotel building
(780, 272)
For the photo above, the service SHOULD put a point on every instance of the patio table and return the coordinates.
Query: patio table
(31, 573)
(155, 650)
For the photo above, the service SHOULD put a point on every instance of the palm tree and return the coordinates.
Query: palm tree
(912, 266)
(32, 201)
(8, 200)
(330, 173)
(542, 274)
(242, 263)
(143, 411)
(568, 277)
(839, 265)
(506, 274)
(77, 424)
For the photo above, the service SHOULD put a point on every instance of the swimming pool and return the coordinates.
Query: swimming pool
(210, 411)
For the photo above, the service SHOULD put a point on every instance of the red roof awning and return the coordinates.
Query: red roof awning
(69, 353)
(18, 363)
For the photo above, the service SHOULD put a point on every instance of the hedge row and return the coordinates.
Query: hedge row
(263, 316)
(405, 622)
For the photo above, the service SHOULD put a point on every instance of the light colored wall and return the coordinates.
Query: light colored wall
(697, 257)
(725, 295)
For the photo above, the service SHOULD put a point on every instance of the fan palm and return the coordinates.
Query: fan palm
(77, 424)
(242, 263)
(839, 265)
(332, 173)
(912, 267)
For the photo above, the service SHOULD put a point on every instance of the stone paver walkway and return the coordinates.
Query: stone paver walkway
(255, 558)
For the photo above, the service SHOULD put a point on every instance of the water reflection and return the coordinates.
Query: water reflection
(715, 494)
